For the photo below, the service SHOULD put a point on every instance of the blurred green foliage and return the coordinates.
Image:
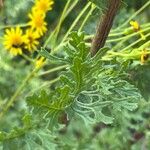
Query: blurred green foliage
(130, 130)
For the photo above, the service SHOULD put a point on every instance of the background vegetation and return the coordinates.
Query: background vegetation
(119, 126)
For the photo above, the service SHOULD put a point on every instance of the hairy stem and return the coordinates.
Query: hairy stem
(104, 26)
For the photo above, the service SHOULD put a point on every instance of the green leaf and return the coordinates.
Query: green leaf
(101, 53)
(51, 58)
(27, 120)
(76, 38)
(35, 139)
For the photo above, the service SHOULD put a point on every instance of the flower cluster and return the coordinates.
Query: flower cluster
(144, 53)
(16, 40)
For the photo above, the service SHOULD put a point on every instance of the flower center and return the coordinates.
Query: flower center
(16, 41)
(30, 39)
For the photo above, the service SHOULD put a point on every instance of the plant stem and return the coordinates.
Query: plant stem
(134, 15)
(16, 94)
(65, 12)
(145, 45)
(57, 29)
(27, 57)
(71, 8)
(53, 70)
(134, 43)
(25, 82)
(87, 17)
(45, 84)
(118, 33)
(10, 26)
(76, 20)
(104, 26)
(73, 25)
(127, 36)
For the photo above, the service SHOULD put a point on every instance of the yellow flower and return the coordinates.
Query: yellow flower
(13, 40)
(31, 41)
(135, 25)
(43, 5)
(144, 56)
(40, 62)
(137, 28)
(37, 22)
